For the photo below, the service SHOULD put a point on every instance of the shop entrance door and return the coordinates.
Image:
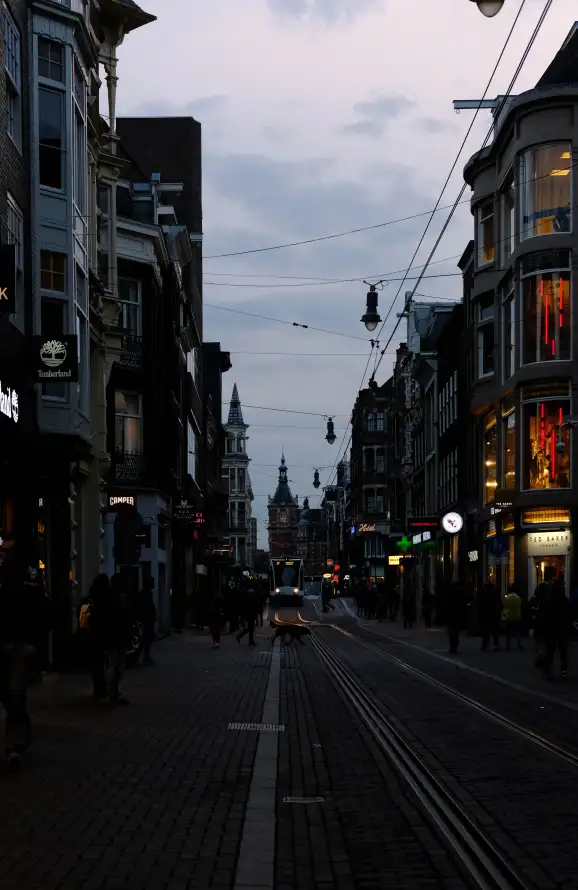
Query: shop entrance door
(547, 568)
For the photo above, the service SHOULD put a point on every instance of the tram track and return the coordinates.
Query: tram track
(482, 861)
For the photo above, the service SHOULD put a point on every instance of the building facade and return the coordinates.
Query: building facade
(237, 481)
(522, 307)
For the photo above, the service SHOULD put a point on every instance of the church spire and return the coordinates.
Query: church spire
(235, 410)
(283, 493)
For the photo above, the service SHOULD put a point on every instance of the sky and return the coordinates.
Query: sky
(319, 117)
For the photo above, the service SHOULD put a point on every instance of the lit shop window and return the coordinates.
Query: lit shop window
(546, 318)
(486, 233)
(490, 474)
(545, 190)
(546, 464)
(509, 454)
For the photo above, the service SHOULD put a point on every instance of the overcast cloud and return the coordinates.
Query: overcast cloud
(321, 116)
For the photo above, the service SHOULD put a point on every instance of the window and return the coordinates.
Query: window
(380, 460)
(129, 294)
(509, 444)
(80, 160)
(374, 501)
(50, 60)
(508, 219)
(52, 315)
(15, 229)
(53, 271)
(192, 447)
(194, 365)
(81, 300)
(79, 86)
(51, 138)
(282, 516)
(128, 422)
(375, 422)
(486, 234)
(509, 336)
(545, 466)
(486, 344)
(546, 317)
(490, 474)
(13, 74)
(545, 190)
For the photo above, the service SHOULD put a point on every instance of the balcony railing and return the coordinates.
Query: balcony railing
(131, 351)
(128, 467)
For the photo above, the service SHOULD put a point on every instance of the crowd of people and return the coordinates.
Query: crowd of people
(547, 616)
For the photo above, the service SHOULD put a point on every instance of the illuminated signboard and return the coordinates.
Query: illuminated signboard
(367, 527)
(121, 500)
(452, 523)
(9, 403)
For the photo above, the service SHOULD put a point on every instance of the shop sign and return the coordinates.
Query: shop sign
(548, 542)
(423, 522)
(7, 279)
(185, 512)
(473, 555)
(121, 500)
(421, 538)
(499, 507)
(55, 359)
(396, 559)
(368, 527)
(9, 403)
(201, 570)
(452, 523)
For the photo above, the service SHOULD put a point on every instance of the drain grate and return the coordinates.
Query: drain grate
(257, 727)
(304, 800)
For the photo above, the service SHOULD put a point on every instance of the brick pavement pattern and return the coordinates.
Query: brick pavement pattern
(148, 796)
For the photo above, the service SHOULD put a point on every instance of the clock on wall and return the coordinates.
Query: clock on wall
(452, 523)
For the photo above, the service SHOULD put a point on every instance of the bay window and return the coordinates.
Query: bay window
(544, 465)
(545, 190)
(490, 474)
(51, 137)
(546, 314)
(486, 233)
(508, 218)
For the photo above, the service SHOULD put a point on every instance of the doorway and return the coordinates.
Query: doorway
(547, 568)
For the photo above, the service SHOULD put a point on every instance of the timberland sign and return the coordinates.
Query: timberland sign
(55, 359)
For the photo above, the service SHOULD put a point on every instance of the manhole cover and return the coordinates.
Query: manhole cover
(304, 800)
(257, 727)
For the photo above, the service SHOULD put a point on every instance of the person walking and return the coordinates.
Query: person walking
(556, 626)
(535, 609)
(249, 607)
(110, 622)
(326, 596)
(146, 614)
(409, 607)
(513, 615)
(455, 612)
(490, 612)
(216, 617)
(24, 618)
(393, 604)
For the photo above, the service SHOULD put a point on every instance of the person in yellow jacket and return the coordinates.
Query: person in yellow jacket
(513, 616)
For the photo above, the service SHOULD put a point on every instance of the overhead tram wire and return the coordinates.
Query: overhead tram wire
(289, 411)
(321, 283)
(498, 111)
(449, 176)
(294, 324)
(433, 212)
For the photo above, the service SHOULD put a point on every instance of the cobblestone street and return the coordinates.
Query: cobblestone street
(167, 793)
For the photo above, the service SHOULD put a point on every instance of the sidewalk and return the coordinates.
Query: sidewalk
(513, 667)
(144, 796)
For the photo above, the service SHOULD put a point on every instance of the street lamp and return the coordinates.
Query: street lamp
(371, 318)
(330, 431)
(489, 8)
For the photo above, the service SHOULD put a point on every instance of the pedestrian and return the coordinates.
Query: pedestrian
(535, 611)
(249, 607)
(556, 626)
(262, 594)
(326, 595)
(216, 617)
(24, 618)
(513, 615)
(110, 622)
(146, 613)
(409, 607)
(427, 606)
(455, 609)
(393, 604)
(489, 613)
(98, 601)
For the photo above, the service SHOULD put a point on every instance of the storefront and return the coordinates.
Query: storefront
(548, 556)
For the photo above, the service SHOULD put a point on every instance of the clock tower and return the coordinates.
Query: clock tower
(283, 516)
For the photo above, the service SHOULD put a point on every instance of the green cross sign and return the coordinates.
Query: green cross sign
(404, 544)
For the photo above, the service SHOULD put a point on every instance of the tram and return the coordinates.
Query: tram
(286, 582)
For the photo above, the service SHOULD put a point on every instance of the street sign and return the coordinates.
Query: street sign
(7, 279)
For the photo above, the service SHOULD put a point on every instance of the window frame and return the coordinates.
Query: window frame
(129, 303)
(536, 273)
(507, 219)
(537, 400)
(490, 426)
(481, 220)
(526, 234)
(15, 237)
(138, 416)
(50, 87)
(54, 290)
(509, 324)
(13, 77)
(82, 326)
(480, 333)
(505, 419)
(62, 64)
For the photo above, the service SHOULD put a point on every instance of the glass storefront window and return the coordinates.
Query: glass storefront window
(545, 190)
(547, 317)
(490, 474)
(544, 465)
(509, 459)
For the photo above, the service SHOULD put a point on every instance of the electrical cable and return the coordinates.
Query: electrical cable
(294, 324)
(498, 111)
(310, 283)
(290, 411)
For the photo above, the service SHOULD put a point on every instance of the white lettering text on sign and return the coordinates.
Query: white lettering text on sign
(3, 293)
(367, 527)
(127, 499)
(9, 406)
(548, 542)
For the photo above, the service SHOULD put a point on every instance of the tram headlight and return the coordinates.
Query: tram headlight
(277, 590)
(295, 590)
